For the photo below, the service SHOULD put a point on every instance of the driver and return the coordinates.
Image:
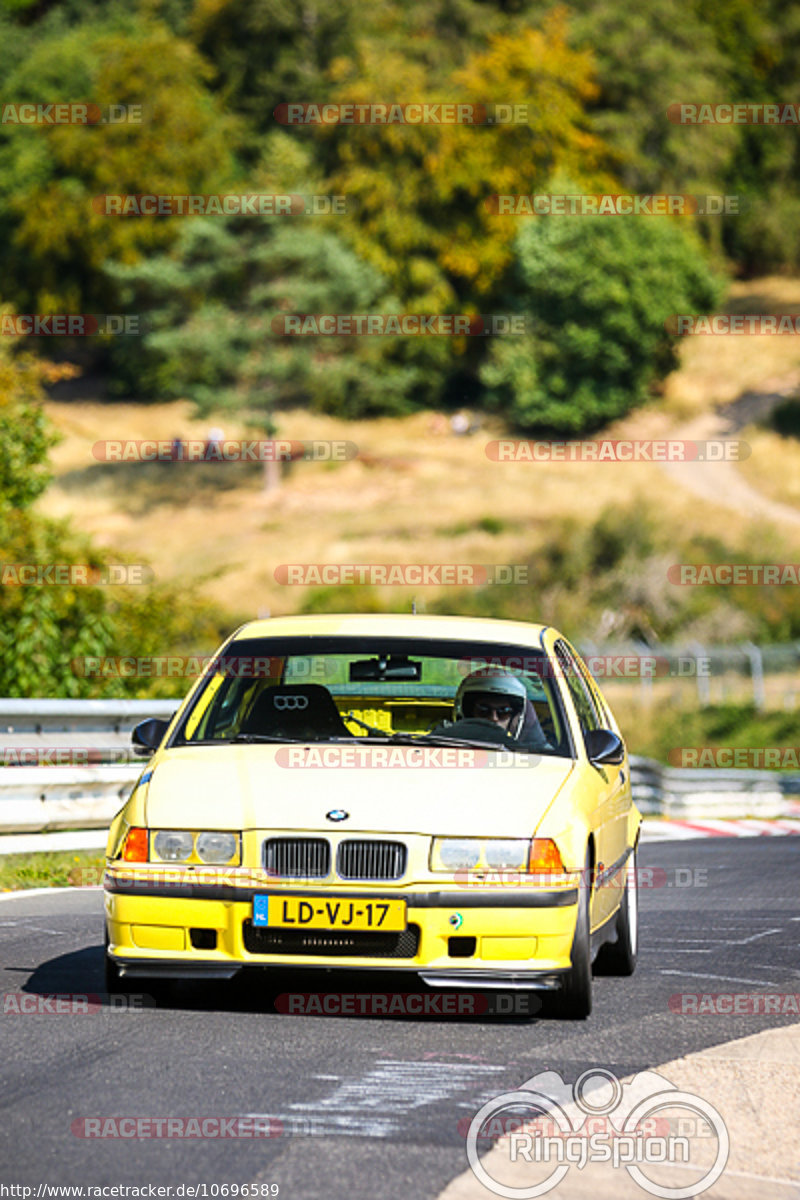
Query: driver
(495, 698)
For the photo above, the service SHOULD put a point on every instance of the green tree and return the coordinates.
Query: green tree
(214, 304)
(46, 630)
(54, 240)
(596, 292)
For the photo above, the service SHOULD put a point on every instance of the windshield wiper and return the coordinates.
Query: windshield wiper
(243, 738)
(439, 739)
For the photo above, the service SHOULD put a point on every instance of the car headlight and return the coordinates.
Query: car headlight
(217, 847)
(450, 854)
(495, 854)
(507, 856)
(185, 845)
(173, 845)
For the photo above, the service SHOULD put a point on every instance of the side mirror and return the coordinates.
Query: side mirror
(603, 746)
(147, 735)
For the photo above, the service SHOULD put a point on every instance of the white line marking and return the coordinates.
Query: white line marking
(724, 978)
(754, 937)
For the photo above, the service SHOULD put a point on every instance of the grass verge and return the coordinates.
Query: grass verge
(57, 868)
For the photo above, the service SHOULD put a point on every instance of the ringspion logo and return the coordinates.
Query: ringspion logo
(600, 1119)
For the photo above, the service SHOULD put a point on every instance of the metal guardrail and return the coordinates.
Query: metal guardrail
(39, 799)
(700, 792)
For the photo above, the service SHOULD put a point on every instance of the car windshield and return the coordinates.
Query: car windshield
(330, 689)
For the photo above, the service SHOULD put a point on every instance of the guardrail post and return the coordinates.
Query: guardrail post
(757, 673)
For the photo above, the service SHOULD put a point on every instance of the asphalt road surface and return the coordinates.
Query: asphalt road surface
(359, 1106)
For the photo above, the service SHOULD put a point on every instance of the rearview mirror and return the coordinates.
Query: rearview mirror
(147, 735)
(383, 668)
(604, 746)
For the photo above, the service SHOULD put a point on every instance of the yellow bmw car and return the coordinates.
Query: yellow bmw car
(445, 796)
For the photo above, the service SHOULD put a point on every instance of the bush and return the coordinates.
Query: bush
(596, 292)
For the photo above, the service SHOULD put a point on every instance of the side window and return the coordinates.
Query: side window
(601, 707)
(588, 715)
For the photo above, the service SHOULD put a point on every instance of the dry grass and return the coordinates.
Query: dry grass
(716, 370)
(415, 494)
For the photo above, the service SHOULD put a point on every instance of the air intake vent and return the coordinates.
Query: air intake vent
(371, 860)
(297, 858)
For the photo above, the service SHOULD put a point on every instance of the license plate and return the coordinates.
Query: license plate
(314, 912)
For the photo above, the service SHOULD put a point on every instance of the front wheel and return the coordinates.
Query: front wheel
(619, 957)
(575, 998)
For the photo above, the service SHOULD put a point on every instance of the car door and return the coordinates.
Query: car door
(607, 782)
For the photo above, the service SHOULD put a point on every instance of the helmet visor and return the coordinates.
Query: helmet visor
(491, 705)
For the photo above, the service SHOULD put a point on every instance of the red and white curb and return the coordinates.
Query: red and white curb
(666, 830)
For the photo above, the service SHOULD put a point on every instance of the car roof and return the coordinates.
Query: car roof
(420, 625)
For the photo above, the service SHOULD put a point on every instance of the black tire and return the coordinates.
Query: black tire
(619, 957)
(575, 997)
(113, 980)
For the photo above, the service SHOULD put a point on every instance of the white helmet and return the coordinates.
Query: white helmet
(492, 682)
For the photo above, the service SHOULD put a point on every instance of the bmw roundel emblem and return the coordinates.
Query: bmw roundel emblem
(337, 814)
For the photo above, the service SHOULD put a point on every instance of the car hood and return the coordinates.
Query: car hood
(260, 787)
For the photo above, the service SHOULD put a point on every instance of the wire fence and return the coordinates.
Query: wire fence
(698, 674)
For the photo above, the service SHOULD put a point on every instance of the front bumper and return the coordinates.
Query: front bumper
(456, 938)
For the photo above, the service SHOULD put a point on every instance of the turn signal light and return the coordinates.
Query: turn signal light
(544, 856)
(135, 847)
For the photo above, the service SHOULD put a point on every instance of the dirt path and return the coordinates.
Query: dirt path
(721, 482)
